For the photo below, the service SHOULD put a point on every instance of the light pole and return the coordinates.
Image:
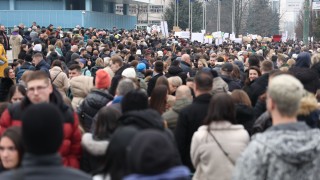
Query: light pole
(82, 19)
(306, 22)
(233, 15)
(218, 17)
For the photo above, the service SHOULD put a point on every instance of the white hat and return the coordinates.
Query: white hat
(160, 53)
(138, 52)
(37, 47)
(129, 73)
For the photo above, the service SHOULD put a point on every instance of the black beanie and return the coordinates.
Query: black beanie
(152, 155)
(42, 130)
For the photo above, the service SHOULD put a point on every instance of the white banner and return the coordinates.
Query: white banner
(294, 5)
(183, 34)
(197, 37)
(315, 4)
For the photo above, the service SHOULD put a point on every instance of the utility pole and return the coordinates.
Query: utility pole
(306, 22)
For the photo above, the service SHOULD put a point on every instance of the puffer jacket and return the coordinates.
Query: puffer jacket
(59, 79)
(177, 71)
(80, 87)
(70, 149)
(284, 152)
(94, 101)
(94, 152)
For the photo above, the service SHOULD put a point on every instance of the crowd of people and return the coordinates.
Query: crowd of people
(100, 104)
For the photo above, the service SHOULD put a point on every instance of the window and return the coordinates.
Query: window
(119, 9)
(156, 8)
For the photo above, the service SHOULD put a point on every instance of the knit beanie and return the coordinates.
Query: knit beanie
(103, 79)
(129, 73)
(74, 56)
(152, 155)
(42, 130)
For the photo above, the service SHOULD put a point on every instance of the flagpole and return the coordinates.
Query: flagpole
(178, 13)
(189, 15)
(175, 13)
(191, 20)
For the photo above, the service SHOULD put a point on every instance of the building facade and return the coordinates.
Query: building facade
(68, 13)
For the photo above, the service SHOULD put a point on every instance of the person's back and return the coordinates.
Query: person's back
(192, 116)
(42, 141)
(287, 150)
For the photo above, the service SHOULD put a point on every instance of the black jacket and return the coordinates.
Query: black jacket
(6, 40)
(116, 79)
(258, 87)
(232, 83)
(5, 85)
(177, 71)
(245, 116)
(47, 167)
(152, 83)
(43, 66)
(190, 119)
(94, 101)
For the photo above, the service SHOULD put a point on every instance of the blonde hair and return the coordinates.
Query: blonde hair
(204, 62)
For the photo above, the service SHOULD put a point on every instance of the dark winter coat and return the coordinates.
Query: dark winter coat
(94, 151)
(152, 83)
(26, 66)
(89, 107)
(245, 116)
(116, 79)
(190, 119)
(177, 71)
(43, 66)
(186, 68)
(5, 85)
(6, 40)
(47, 167)
(257, 88)
(303, 60)
(232, 83)
(22, 54)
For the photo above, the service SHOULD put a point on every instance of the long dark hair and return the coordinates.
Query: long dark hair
(158, 99)
(15, 135)
(221, 108)
(106, 123)
(13, 89)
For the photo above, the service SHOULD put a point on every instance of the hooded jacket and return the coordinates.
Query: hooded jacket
(94, 152)
(283, 152)
(80, 87)
(94, 101)
(303, 60)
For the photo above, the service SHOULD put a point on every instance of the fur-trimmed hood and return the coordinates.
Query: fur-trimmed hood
(308, 104)
(94, 147)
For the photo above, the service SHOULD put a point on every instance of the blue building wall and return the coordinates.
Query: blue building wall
(67, 18)
(4, 5)
(38, 5)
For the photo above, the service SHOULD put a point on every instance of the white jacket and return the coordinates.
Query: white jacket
(207, 157)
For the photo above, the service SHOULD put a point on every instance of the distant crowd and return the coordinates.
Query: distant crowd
(88, 103)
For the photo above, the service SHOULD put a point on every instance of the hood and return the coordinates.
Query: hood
(143, 119)
(303, 60)
(219, 85)
(244, 113)
(174, 70)
(175, 173)
(94, 147)
(293, 143)
(181, 103)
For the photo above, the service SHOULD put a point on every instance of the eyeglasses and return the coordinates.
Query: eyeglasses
(37, 88)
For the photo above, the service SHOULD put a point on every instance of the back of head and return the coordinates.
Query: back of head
(221, 108)
(134, 100)
(106, 124)
(183, 92)
(254, 60)
(266, 66)
(158, 66)
(203, 81)
(286, 92)
(152, 155)
(42, 129)
(125, 85)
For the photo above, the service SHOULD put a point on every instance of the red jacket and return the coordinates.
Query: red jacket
(70, 149)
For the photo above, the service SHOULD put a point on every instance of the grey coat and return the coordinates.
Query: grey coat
(283, 152)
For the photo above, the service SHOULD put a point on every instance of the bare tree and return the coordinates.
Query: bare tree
(299, 25)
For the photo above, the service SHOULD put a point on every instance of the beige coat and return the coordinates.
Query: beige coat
(15, 42)
(60, 80)
(80, 88)
(208, 159)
